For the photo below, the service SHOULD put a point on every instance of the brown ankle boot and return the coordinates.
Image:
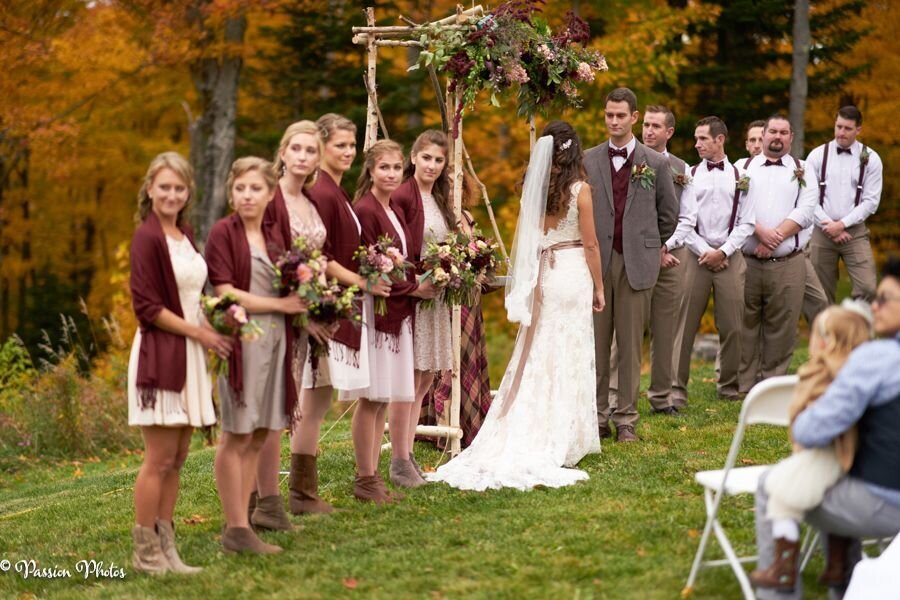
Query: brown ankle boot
(370, 489)
(782, 574)
(303, 484)
(416, 466)
(394, 495)
(167, 543)
(835, 573)
(148, 556)
(269, 514)
(242, 539)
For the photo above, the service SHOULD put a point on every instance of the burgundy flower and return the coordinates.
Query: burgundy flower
(460, 64)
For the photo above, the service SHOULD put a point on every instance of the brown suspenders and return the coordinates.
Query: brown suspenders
(859, 183)
(734, 203)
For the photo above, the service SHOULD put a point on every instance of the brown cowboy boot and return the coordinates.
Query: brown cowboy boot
(303, 484)
(835, 573)
(243, 539)
(782, 574)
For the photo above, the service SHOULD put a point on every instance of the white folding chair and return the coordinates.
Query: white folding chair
(767, 403)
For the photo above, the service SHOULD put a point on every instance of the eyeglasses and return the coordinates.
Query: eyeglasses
(882, 299)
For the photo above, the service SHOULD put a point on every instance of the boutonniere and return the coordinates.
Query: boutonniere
(864, 156)
(743, 183)
(644, 175)
(799, 174)
(681, 179)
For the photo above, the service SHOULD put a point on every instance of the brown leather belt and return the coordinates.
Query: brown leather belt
(775, 259)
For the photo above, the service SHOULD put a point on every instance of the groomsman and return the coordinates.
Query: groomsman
(844, 179)
(752, 142)
(725, 220)
(658, 129)
(635, 214)
(814, 299)
(776, 269)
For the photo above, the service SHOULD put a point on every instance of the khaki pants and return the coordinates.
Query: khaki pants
(665, 305)
(858, 259)
(625, 314)
(773, 300)
(727, 289)
(814, 298)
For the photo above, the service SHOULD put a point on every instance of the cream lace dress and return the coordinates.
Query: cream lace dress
(433, 334)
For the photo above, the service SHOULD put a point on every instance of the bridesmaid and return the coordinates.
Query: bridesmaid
(346, 368)
(390, 347)
(258, 396)
(475, 381)
(424, 200)
(293, 215)
(169, 392)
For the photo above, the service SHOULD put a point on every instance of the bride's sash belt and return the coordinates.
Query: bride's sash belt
(550, 253)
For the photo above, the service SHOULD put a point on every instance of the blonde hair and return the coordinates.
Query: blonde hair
(841, 331)
(181, 167)
(373, 154)
(331, 122)
(293, 129)
(251, 163)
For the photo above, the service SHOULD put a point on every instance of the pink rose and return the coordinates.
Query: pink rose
(237, 314)
(304, 273)
(384, 264)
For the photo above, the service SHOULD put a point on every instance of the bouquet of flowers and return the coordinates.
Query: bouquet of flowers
(485, 254)
(226, 315)
(332, 303)
(381, 261)
(301, 270)
(441, 266)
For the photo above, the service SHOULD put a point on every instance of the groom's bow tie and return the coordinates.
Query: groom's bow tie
(715, 165)
(844, 151)
(614, 152)
(773, 163)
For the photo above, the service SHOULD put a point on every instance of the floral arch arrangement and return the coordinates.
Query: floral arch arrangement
(512, 46)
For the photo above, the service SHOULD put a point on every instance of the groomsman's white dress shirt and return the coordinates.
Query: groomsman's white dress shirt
(777, 195)
(841, 179)
(712, 192)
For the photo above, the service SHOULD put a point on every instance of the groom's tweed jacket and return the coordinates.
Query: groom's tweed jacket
(650, 215)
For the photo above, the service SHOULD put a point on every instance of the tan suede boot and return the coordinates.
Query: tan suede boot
(269, 514)
(403, 473)
(167, 543)
(416, 466)
(148, 556)
(303, 484)
(782, 574)
(243, 539)
(370, 489)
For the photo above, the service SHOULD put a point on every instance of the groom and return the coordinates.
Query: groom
(635, 212)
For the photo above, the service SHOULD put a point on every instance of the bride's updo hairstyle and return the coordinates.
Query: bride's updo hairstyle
(567, 166)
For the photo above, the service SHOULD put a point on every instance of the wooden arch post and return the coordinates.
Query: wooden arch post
(372, 37)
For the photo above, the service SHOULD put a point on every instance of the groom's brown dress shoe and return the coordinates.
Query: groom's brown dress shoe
(604, 431)
(625, 433)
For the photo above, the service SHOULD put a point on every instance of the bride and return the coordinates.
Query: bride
(544, 417)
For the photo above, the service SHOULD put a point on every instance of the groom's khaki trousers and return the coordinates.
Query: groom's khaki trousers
(626, 314)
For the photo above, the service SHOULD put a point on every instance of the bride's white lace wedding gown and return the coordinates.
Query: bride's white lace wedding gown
(544, 416)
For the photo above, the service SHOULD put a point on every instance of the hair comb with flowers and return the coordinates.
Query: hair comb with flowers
(566, 144)
(860, 307)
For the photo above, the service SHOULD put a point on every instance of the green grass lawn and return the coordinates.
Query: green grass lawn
(629, 532)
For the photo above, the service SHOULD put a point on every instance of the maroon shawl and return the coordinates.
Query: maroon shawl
(342, 239)
(162, 357)
(228, 257)
(408, 201)
(375, 222)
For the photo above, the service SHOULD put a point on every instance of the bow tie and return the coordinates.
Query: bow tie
(717, 165)
(844, 151)
(614, 152)
(773, 163)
